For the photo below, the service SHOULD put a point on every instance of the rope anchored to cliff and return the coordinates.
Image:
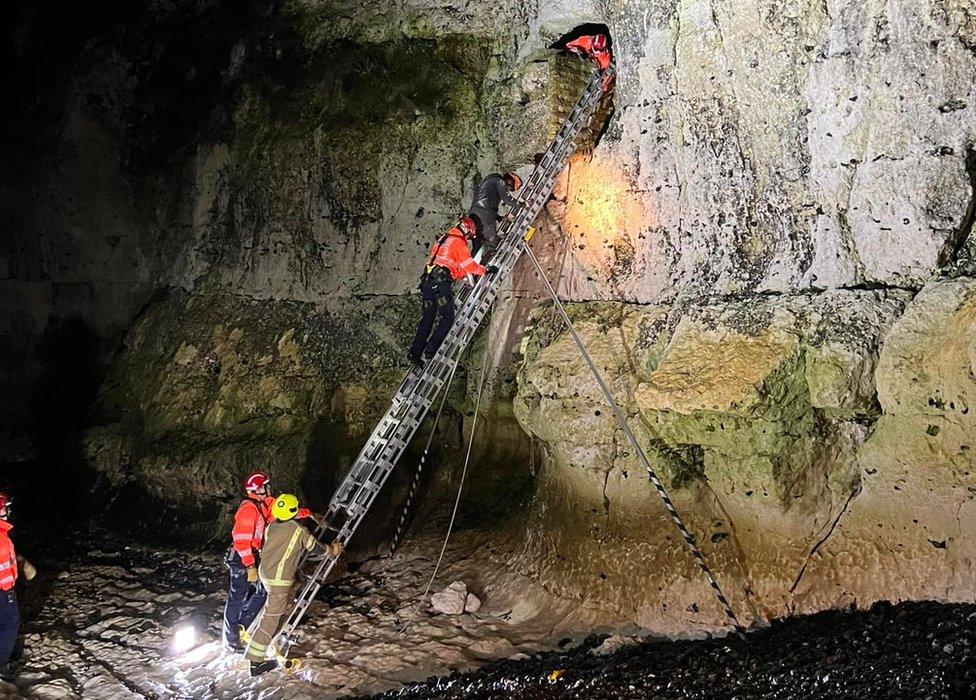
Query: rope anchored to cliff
(621, 419)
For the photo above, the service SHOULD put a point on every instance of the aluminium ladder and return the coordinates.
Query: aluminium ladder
(364, 480)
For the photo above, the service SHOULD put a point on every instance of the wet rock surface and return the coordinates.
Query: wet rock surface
(100, 618)
(909, 650)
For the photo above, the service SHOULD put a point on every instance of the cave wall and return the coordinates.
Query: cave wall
(768, 252)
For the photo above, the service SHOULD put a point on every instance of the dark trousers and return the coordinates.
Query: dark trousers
(9, 622)
(488, 235)
(244, 601)
(438, 296)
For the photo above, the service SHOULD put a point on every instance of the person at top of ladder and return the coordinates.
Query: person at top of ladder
(450, 260)
(490, 193)
(595, 47)
(245, 594)
(285, 543)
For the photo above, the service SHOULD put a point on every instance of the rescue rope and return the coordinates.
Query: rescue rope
(420, 466)
(457, 499)
(679, 523)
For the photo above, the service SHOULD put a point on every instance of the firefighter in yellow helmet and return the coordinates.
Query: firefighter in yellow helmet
(285, 541)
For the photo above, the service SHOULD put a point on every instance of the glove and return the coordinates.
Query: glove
(336, 548)
(252, 574)
(491, 269)
(29, 571)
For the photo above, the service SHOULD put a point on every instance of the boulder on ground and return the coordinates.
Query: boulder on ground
(455, 600)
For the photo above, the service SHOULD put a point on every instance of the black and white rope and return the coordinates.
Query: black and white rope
(621, 419)
(415, 484)
(457, 499)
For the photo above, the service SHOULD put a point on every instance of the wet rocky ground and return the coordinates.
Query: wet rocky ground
(99, 622)
(911, 650)
(100, 619)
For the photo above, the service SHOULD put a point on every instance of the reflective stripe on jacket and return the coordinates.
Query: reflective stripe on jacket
(284, 545)
(452, 253)
(250, 522)
(248, 531)
(8, 558)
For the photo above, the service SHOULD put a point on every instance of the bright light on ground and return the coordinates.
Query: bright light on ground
(184, 639)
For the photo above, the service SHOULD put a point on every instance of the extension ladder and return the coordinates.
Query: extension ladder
(364, 480)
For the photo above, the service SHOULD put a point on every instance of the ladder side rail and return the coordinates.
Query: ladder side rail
(537, 186)
(475, 303)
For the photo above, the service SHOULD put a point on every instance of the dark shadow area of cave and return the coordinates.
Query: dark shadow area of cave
(180, 95)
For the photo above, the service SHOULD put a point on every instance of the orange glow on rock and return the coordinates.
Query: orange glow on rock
(604, 215)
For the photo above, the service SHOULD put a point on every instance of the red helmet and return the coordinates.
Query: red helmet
(513, 181)
(468, 226)
(256, 481)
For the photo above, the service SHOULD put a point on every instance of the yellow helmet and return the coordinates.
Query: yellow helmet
(285, 507)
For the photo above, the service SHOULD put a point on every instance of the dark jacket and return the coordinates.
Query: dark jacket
(490, 192)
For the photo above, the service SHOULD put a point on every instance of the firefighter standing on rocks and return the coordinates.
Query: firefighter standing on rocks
(245, 594)
(285, 543)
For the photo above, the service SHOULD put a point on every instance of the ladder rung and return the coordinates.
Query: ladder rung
(375, 462)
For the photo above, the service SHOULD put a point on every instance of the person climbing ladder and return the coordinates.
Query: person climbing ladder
(285, 543)
(450, 260)
(491, 193)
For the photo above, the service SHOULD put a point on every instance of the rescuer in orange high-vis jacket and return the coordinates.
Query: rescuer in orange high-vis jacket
(596, 48)
(450, 260)
(245, 594)
(9, 571)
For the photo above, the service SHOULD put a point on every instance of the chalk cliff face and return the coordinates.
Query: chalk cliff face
(767, 252)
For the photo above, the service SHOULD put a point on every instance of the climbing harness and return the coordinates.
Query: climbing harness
(457, 499)
(621, 419)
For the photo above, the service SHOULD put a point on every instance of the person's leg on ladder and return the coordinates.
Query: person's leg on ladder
(445, 308)
(426, 319)
(267, 625)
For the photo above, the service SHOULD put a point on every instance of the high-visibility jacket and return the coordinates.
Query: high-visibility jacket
(283, 548)
(452, 253)
(8, 558)
(250, 521)
(593, 47)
